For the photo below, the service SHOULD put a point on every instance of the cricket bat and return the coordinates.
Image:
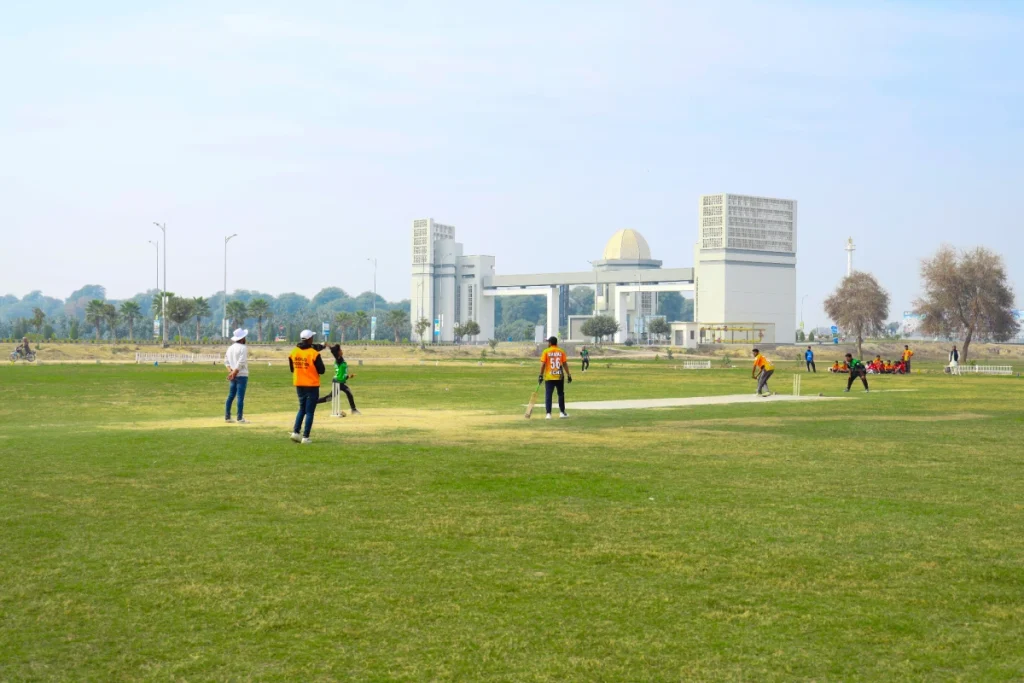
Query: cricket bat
(533, 401)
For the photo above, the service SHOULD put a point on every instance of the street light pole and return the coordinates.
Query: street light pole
(802, 299)
(157, 245)
(224, 323)
(163, 294)
(374, 262)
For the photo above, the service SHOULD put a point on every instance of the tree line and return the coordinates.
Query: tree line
(966, 297)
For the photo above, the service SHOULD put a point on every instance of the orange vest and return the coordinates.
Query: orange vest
(304, 365)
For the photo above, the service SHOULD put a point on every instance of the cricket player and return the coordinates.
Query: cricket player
(306, 366)
(554, 370)
(763, 370)
(584, 358)
(857, 369)
(907, 355)
(341, 378)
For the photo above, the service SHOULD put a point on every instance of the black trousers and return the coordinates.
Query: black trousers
(550, 387)
(343, 388)
(863, 374)
(586, 363)
(811, 367)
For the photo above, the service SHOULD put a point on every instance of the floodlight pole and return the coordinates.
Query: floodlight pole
(374, 262)
(224, 324)
(157, 245)
(163, 294)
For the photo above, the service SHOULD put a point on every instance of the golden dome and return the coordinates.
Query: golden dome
(627, 245)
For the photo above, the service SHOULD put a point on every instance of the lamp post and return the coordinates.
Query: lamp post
(373, 319)
(157, 245)
(224, 323)
(163, 294)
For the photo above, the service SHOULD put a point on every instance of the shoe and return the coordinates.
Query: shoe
(563, 416)
(228, 419)
(846, 391)
(242, 421)
(548, 417)
(356, 412)
(867, 391)
(306, 441)
(296, 437)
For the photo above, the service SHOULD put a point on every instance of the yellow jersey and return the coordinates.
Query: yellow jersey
(907, 353)
(763, 363)
(553, 359)
(304, 372)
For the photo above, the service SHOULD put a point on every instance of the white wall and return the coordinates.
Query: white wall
(749, 292)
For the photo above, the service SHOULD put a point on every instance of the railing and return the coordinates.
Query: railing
(178, 358)
(696, 365)
(985, 369)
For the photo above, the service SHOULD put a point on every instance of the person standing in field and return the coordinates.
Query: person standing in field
(341, 378)
(954, 361)
(857, 369)
(763, 370)
(809, 358)
(584, 358)
(554, 370)
(236, 360)
(907, 355)
(306, 366)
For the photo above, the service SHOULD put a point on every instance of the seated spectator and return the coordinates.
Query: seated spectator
(844, 367)
(835, 367)
(900, 368)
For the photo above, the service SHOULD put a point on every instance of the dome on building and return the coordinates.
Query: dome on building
(627, 245)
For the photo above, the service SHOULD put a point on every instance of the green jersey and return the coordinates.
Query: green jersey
(341, 371)
(854, 362)
(585, 354)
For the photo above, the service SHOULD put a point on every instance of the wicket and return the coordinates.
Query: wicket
(796, 385)
(336, 410)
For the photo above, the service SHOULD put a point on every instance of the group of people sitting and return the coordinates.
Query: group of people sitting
(875, 367)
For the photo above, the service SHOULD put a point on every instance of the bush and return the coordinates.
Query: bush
(668, 353)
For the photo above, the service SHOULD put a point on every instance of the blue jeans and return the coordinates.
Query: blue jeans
(307, 407)
(238, 385)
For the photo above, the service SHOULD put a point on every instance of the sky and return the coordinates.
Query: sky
(319, 132)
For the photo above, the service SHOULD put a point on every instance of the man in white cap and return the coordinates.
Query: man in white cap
(306, 366)
(236, 360)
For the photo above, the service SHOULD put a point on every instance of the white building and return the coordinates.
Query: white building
(745, 261)
(743, 281)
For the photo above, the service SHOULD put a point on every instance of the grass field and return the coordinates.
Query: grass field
(443, 537)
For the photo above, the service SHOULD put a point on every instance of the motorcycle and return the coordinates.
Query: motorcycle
(30, 357)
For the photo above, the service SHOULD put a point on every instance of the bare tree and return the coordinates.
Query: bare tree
(966, 295)
(859, 306)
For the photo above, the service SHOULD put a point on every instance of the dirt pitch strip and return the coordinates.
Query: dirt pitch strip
(692, 401)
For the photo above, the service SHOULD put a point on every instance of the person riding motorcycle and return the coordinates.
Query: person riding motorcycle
(23, 349)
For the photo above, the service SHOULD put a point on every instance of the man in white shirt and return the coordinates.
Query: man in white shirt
(236, 360)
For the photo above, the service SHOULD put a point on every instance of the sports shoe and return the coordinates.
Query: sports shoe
(228, 419)
(242, 421)
(306, 441)
(846, 391)
(563, 416)
(356, 412)
(548, 416)
(296, 437)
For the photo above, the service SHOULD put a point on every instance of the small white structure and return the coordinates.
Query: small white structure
(849, 256)
(692, 335)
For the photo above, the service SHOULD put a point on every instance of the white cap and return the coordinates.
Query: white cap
(239, 334)
(307, 334)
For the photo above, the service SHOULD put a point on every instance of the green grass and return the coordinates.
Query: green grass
(874, 538)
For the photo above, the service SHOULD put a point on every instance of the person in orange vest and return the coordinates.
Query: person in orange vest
(306, 366)
(907, 355)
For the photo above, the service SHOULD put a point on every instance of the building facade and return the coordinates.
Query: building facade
(745, 262)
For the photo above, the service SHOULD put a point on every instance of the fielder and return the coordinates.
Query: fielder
(857, 369)
(766, 369)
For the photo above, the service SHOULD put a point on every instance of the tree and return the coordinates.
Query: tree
(38, 318)
(343, 321)
(859, 306)
(259, 309)
(659, 327)
(180, 311)
(155, 307)
(200, 309)
(131, 310)
(422, 325)
(397, 319)
(966, 296)
(470, 328)
(95, 313)
(237, 313)
(360, 321)
(111, 317)
(599, 327)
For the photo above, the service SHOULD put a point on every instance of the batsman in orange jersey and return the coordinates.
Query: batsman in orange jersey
(554, 371)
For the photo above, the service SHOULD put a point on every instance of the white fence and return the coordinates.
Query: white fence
(984, 369)
(178, 358)
(696, 365)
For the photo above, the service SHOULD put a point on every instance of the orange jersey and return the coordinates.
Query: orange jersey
(304, 372)
(553, 359)
(907, 353)
(763, 363)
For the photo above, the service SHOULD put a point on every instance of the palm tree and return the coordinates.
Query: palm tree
(200, 309)
(110, 316)
(95, 313)
(360, 320)
(155, 308)
(259, 309)
(130, 310)
(343, 321)
(397, 319)
(237, 313)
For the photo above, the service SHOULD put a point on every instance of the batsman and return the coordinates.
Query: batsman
(554, 371)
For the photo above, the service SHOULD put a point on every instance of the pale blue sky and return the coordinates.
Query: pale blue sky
(526, 125)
